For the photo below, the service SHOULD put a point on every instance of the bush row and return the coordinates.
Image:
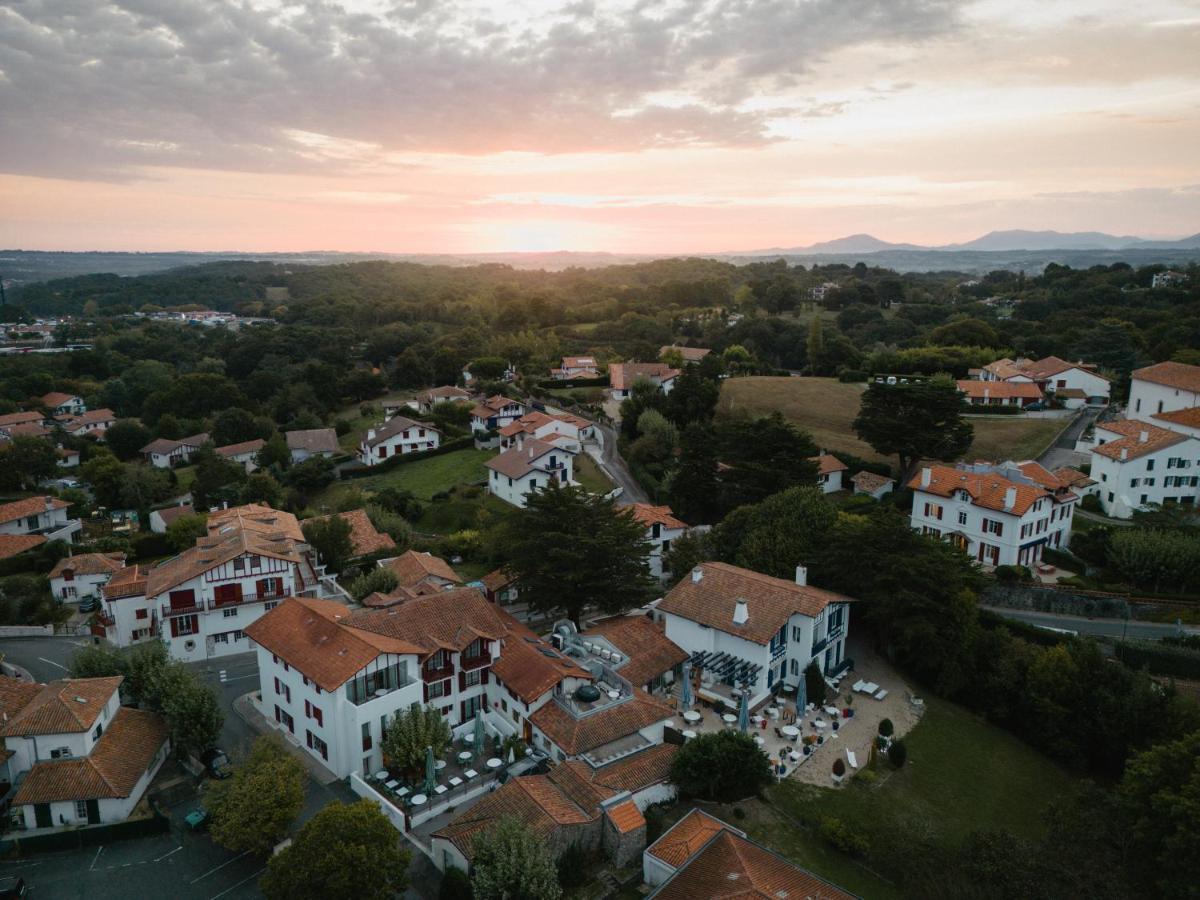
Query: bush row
(1160, 659)
(462, 443)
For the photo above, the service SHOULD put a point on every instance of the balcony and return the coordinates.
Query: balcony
(468, 663)
(428, 675)
(246, 598)
(168, 611)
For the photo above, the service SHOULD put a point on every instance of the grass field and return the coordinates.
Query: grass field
(825, 408)
(423, 477)
(962, 775)
(588, 474)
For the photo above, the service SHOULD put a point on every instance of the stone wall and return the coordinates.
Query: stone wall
(1066, 601)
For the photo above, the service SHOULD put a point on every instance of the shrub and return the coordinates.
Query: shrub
(1012, 574)
(382, 580)
(897, 754)
(341, 427)
(839, 768)
(835, 833)
(573, 867)
(739, 813)
(724, 766)
(851, 376)
(866, 776)
(1091, 503)
(886, 728)
(456, 885)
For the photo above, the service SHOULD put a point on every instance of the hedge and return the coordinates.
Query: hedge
(452, 446)
(556, 384)
(1023, 630)
(988, 410)
(1160, 659)
(1063, 559)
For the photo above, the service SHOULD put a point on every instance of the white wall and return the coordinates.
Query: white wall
(1124, 487)
(1091, 384)
(1147, 398)
(960, 515)
(78, 587)
(513, 490)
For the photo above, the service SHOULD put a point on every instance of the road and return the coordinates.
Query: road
(615, 467)
(1062, 452)
(1146, 631)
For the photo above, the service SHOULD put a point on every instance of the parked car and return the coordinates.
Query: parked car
(89, 604)
(12, 886)
(197, 819)
(216, 763)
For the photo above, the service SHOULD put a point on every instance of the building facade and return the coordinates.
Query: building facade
(1136, 465)
(396, 437)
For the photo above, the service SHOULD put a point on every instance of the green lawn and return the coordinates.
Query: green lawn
(588, 474)
(185, 476)
(962, 775)
(424, 477)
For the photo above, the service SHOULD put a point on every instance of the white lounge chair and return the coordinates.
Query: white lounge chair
(882, 694)
(852, 759)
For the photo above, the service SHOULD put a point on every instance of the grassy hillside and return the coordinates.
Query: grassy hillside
(824, 407)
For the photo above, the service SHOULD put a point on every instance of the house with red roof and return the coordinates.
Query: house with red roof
(1163, 388)
(1136, 464)
(42, 516)
(662, 528)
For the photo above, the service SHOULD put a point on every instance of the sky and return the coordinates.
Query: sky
(632, 126)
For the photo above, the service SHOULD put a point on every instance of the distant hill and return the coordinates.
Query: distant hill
(854, 243)
(1014, 240)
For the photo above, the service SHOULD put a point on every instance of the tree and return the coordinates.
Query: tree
(512, 862)
(235, 425)
(695, 491)
(377, 580)
(329, 536)
(572, 551)
(185, 530)
(126, 438)
(914, 421)
(253, 809)
(216, 479)
(95, 661)
(261, 487)
(762, 457)
(410, 734)
(189, 705)
(816, 344)
(773, 537)
(275, 453)
(488, 368)
(25, 461)
(1155, 559)
(391, 524)
(313, 475)
(965, 333)
(693, 398)
(345, 850)
(723, 766)
(143, 666)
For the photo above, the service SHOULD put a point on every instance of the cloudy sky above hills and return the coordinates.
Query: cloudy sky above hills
(644, 126)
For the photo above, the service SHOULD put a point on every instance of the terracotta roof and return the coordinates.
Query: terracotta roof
(770, 601)
(218, 547)
(93, 415)
(517, 462)
(164, 446)
(986, 489)
(1003, 368)
(314, 440)
(689, 354)
(492, 405)
(30, 506)
(528, 423)
(128, 582)
(1049, 366)
(1131, 445)
(1172, 374)
(19, 418)
(1073, 477)
(12, 544)
(685, 838)
(363, 535)
(1039, 473)
(498, 579)
(16, 694)
(578, 362)
(530, 666)
(315, 637)
(730, 866)
(395, 426)
(1000, 390)
(449, 620)
(117, 762)
(1071, 393)
(626, 817)
(827, 464)
(27, 429)
(89, 564)
(622, 376)
(644, 643)
(447, 392)
(238, 449)
(256, 517)
(1188, 418)
(56, 398)
(67, 706)
(413, 567)
(635, 772)
(605, 725)
(649, 515)
(870, 481)
(170, 513)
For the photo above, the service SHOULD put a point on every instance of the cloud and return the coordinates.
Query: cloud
(98, 89)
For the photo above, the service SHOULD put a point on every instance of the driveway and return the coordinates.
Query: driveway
(614, 465)
(1062, 452)
(45, 658)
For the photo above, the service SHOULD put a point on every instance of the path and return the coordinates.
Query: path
(1149, 631)
(614, 466)
(1062, 451)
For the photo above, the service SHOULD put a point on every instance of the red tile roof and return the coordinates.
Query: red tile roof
(688, 354)
(89, 564)
(238, 449)
(30, 506)
(517, 462)
(363, 535)
(1073, 477)
(12, 544)
(1188, 418)
(530, 666)
(622, 376)
(1000, 390)
(1049, 366)
(770, 601)
(648, 515)
(636, 772)
(20, 418)
(827, 464)
(117, 762)
(67, 706)
(1172, 374)
(985, 489)
(626, 817)
(1132, 445)
(413, 567)
(56, 398)
(314, 440)
(579, 735)
(685, 838)
(170, 513)
(128, 582)
(870, 481)
(648, 650)
(448, 620)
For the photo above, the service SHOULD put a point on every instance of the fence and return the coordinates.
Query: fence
(11, 631)
(86, 836)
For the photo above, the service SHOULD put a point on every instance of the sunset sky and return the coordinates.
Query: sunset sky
(631, 126)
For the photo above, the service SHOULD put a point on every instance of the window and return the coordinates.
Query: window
(141, 614)
(285, 718)
(1134, 482)
(439, 689)
(962, 517)
(81, 809)
(314, 712)
(366, 736)
(315, 743)
(796, 632)
(270, 604)
(99, 731)
(933, 510)
(474, 677)
(229, 613)
(1150, 465)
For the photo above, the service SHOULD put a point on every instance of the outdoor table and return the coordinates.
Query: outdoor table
(402, 793)
(455, 781)
(392, 785)
(464, 756)
(440, 789)
(759, 740)
(819, 724)
(689, 734)
(439, 765)
(773, 712)
(831, 710)
(729, 718)
(419, 800)
(692, 716)
(791, 732)
(470, 773)
(494, 763)
(381, 775)
(794, 755)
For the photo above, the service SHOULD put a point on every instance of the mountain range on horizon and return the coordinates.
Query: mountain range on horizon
(993, 241)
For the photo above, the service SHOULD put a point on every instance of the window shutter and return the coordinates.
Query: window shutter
(484, 677)
(462, 681)
(425, 688)
(462, 711)
(174, 628)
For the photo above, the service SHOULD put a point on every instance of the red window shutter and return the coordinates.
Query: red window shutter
(484, 677)
(174, 628)
(462, 681)
(462, 711)
(425, 688)
(308, 709)
(263, 586)
(277, 690)
(319, 717)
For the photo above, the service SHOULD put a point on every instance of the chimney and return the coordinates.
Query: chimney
(926, 476)
(1010, 498)
(697, 574)
(1124, 453)
(1143, 436)
(801, 575)
(741, 612)
(370, 434)
(986, 393)
(49, 503)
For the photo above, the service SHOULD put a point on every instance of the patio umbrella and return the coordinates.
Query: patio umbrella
(685, 690)
(801, 699)
(744, 711)
(478, 738)
(430, 772)
(512, 755)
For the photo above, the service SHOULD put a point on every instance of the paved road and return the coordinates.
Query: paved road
(1062, 453)
(1149, 631)
(615, 467)
(45, 658)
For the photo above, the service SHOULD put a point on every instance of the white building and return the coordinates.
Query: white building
(200, 602)
(1071, 379)
(830, 471)
(563, 429)
(245, 453)
(160, 519)
(311, 442)
(662, 528)
(1137, 464)
(60, 404)
(75, 577)
(573, 367)
(623, 376)
(1162, 388)
(396, 437)
(89, 424)
(42, 516)
(743, 628)
(1000, 515)
(164, 453)
(495, 412)
(74, 754)
(1167, 279)
(532, 464)
(872, 484)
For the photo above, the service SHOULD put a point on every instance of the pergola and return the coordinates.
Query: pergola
(729, 668)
